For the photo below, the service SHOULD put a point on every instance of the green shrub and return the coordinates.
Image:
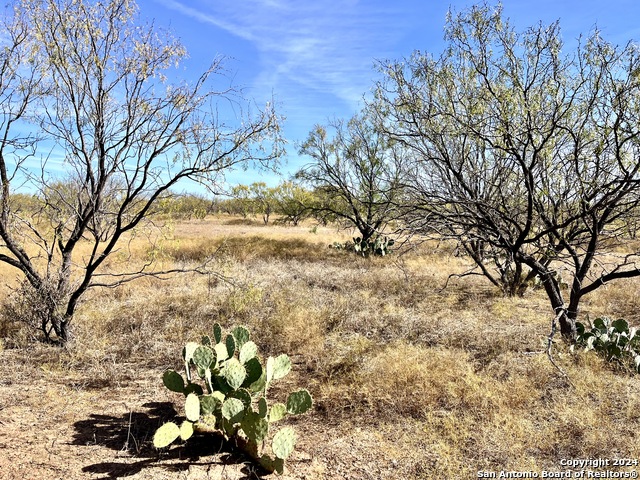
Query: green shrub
(614, 340)
(230, 396)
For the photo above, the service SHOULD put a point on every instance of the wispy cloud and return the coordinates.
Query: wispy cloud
(326, 47)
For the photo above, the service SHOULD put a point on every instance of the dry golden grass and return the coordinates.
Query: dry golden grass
(409, 380)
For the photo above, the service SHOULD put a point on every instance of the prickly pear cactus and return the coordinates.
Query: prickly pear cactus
(299, 402)
(231, 396)
(166, 435)
(283, 442)
(173, 381)
(234, 373)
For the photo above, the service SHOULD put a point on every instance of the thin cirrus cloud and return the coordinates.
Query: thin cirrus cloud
(312, 49)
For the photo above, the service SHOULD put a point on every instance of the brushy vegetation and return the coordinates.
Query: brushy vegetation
(408, 380)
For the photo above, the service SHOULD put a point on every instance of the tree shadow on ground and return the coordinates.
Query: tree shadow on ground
(131, 436)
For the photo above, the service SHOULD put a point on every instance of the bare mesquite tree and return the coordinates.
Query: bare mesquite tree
(88, 83)
(529, 157)
(356, 174)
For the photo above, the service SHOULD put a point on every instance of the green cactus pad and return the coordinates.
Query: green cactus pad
(254, 371)
(186, 430)
(221, 351)
(299, 402)
(209, 403)
(277, 412)
(620, 325)
(192, 407)
(173, 381)
(262, 407)
(206, 340)
(281, 366)
(193, 388)
(166, 435)
(278, 465)
(241, 334)
(217, 332)
(242, 394)
(233, 410)
(203, 357)
(259, 385)
(221, 385)
(255, 427)
(278, 367)
(234, 373)
(284, 442)
(248, 351)
(230, 343)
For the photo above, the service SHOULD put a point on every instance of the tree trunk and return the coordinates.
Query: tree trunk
(566, 316)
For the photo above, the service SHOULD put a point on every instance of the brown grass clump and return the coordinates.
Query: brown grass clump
(404, 380)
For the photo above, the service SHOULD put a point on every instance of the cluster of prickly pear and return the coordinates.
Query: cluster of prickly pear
(231, 396)
(377, 245)
(614, 340)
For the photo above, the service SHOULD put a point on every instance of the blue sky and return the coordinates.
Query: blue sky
(316, 59)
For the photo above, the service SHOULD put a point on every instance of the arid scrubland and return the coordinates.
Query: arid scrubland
(409, 380)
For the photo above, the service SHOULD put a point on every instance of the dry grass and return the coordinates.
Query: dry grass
(409, 380)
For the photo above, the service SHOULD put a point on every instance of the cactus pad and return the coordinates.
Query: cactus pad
(221, 351)
(241, 334)
(209, 403)
(278, 367)
(248, 351)
(278, 465)
(165, 435)
(217, 332)
(193, 388)
(203, 357)
(254, 371)
(233, 410)
(187, 351)
(242, 394)
(299, 402)
(206, 340)
(192, 407)
(173, 381)
(262, 407)
(284, 442)
(221, 385)
(186, 430)
(230, 343)
(234, 373)
(277, 412)
(255, 427)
